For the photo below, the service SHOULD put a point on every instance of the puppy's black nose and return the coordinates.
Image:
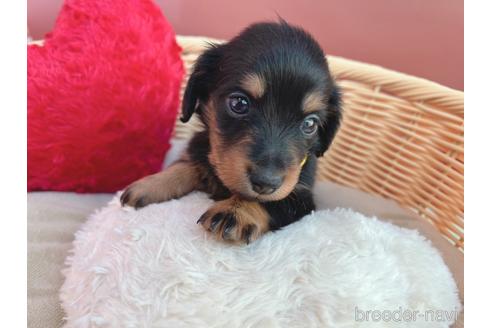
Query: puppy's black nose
(264, 182)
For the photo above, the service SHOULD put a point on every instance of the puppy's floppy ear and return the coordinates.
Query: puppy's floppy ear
(329, 128)
(203, 75)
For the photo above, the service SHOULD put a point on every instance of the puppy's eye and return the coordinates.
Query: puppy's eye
(238, 104)
(310, 125)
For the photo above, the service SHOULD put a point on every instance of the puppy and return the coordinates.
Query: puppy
(270, 108)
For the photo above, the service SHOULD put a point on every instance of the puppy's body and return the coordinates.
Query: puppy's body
(269, 107)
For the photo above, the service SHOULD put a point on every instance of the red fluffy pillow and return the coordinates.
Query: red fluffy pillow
(103, 95)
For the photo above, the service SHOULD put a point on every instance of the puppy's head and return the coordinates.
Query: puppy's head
(268, 101)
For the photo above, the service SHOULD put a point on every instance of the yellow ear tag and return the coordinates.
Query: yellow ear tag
(304, 161)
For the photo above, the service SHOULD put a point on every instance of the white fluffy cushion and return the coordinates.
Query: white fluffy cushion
(156, 267)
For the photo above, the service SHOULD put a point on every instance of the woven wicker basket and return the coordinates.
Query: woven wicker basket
(401, 138)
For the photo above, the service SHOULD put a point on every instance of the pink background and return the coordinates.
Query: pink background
(420, 37)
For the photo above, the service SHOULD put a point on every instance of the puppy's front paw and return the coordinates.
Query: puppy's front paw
(138, 194)
(236, 221)
(176, 181)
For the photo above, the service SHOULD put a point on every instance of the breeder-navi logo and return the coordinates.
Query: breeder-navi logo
(407, 315)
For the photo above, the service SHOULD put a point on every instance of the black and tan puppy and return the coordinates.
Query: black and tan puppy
(269, 107)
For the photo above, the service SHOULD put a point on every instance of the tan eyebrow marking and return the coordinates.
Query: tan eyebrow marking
(313, 101)
(254, 85)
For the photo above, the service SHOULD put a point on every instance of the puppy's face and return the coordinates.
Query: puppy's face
(269, 102)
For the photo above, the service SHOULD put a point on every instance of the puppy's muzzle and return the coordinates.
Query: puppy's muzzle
(265, 181)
